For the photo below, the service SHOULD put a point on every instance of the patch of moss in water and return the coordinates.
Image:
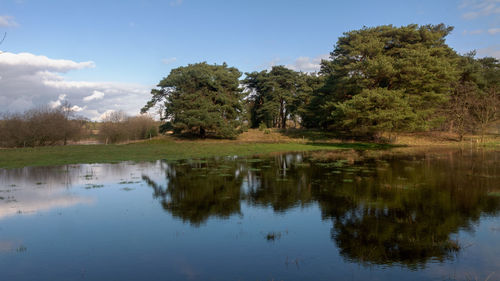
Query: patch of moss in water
(203, 168)
(255, 169)
(348, 180)
(225, 175)
(91, 186)
(336, 164)
(351, 169)
(127, 189)
(21, 249)
(198, 161)
(271, 236)
(280, 179)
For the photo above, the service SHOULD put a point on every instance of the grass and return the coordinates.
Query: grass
(162, 148)
(249, 143)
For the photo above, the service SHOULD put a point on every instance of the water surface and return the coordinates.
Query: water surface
(316, 216)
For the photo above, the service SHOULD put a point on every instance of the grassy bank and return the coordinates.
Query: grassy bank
(165, 148)
(249, 143)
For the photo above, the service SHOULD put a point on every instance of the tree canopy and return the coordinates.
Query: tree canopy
(201, 99)
(377, 79)
(412, 59)
(274, 95)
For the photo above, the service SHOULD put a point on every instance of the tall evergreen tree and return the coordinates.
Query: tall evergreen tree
(201, 99)
(273, 96)
(412, 59)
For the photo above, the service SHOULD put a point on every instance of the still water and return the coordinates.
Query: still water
(316, 216)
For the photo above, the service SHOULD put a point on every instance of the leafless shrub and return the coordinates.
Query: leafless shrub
(40, 126)
(118, 127)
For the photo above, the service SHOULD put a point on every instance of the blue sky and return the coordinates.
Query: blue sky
(139, 42)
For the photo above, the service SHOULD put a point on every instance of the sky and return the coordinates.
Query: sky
(102, 56)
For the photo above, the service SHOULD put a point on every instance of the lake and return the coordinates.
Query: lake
(350, 215)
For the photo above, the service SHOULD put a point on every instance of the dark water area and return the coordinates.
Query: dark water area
(297, 216)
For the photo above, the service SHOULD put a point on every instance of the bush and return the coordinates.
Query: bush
(118, 127)
(38, 127)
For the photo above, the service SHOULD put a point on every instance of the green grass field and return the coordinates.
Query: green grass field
(154, 150)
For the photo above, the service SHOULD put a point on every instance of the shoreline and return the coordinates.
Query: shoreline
(171, 148)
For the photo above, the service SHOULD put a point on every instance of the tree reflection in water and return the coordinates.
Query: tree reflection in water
(386, 210)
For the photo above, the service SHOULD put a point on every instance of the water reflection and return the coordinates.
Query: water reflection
(372, 208)
(29, 191)
(384, 210)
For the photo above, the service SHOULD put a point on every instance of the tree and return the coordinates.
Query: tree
(274, 96)
(40, 126)
(112, 129)
(485, 106)
(373, 111)
(459, 108)
(484, 109)
(475, 100)
(304, 105)
(412, 59)
(201, 99)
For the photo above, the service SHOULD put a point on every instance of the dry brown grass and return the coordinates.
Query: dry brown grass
(441, 139)
(429, 139)
(255, 135)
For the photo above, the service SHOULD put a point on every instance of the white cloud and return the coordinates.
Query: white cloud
(480, 8)
(169, 60)
(307, 64)
(106, 114)
(96, 95)
(6, 21)
(30, 80)
(76, 108)
(41, 63)
(494, 31)
(58, 102)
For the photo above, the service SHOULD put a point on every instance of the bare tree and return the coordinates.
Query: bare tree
(484, 109)
(459, 107)
(118, 127)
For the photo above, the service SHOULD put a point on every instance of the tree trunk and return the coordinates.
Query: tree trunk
(282, 114)
(202, 132)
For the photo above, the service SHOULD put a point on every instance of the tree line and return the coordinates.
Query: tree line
(382, 79)
(59, 126)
